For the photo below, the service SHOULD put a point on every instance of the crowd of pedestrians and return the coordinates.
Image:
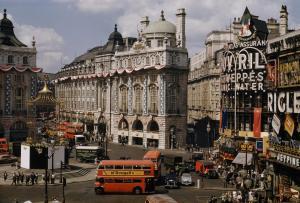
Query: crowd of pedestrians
(19, 178)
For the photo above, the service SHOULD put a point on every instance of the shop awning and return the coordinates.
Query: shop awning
(241, 158)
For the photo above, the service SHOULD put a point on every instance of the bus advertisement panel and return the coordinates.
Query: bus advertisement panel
(126, 176)
(89, 153)
(155, 156)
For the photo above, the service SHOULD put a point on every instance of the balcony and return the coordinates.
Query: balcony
(285, 149)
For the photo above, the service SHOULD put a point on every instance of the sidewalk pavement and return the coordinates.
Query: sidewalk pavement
(79, 172)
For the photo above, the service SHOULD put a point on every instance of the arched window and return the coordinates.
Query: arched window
(153, 126)
(153, 99)
(123, 124)
(138, 99)
(137, 125)
(124, 99)
(157, 62)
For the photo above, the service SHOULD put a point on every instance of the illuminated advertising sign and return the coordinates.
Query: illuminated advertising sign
(122, 173)
(289, 73)
(244, 69)
(284, 102)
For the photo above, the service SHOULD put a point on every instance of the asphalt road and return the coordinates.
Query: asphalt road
(84, 193)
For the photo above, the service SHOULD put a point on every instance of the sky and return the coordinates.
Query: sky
(64, 29)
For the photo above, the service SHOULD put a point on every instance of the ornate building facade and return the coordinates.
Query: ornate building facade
(136, 87)
(18, 83)
(204, 88)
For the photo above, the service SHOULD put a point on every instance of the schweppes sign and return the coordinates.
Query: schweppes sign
(122, 173)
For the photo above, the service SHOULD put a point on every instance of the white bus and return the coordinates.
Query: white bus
(89, 153)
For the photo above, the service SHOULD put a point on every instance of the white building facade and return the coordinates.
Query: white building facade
(137, 88)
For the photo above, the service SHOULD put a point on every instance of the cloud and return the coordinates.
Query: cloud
(49, 44)
(202, 16)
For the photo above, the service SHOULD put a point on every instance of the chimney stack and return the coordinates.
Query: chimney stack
(180, 27)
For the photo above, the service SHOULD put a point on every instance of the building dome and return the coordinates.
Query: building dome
(115, 36)
(6, 25)
(160, 26)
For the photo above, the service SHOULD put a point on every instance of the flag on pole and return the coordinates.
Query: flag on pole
(289, 125)
(257, 122)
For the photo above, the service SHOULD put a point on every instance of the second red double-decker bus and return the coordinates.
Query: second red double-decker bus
(128, 176)
(155, 156)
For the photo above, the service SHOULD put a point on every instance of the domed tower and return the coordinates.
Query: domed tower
(157, 31)
(7, 35)
(115, 37)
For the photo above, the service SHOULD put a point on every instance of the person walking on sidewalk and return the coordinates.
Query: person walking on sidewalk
(14, 179)
(5, 176)
(27, 177)
(36, 178)
(22, 178)
(32, 177)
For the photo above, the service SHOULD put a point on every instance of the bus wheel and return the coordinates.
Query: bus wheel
(99, 190)
(137, 190)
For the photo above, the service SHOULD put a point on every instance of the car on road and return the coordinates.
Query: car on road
(186, 179)
(212, 174)
(172, 182)
(6, 158)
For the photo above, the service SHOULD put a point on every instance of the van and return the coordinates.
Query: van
(159, 198)
(80, 140)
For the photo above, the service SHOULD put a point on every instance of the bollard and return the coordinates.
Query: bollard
(198, 183)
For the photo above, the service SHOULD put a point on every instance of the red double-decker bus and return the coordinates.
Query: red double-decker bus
(155, 156)
(125, 176)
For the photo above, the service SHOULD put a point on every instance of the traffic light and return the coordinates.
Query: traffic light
(64, 181)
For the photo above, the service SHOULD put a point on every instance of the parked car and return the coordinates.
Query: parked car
(186, 179)
(6, 158)
(172, 181)
(212, 173)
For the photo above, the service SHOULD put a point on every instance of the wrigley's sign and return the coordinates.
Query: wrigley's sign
(244, 67)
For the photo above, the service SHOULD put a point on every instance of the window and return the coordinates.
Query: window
(109, 167)
(157, 60)
(153, 99)
(148, 43)
(124, 99)
(109, 181)
(159, 43)
(147, 60)
(137, 167)
(127, 167)
(138, 99)
(103, 105)
(172, 98)
(10, 59)
(137, 180)
(127, 181)
(19, 98)
(118, 167)
(153, 126)
(118, 180)
(25, 60)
